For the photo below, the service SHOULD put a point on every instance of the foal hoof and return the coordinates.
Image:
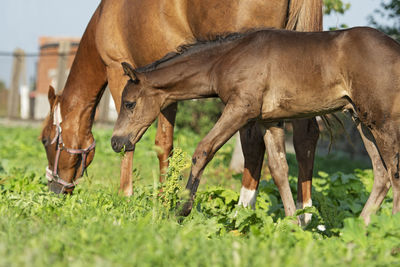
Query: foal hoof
(185, 209)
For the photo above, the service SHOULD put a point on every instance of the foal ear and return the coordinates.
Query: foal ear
(51, 95)
(130, 72)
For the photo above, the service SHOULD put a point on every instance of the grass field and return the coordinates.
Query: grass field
(98, 227)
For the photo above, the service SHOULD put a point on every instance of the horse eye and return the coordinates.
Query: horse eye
(45, 141)
(130, 105)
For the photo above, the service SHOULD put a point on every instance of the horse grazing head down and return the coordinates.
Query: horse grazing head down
(141, 103)
(66, 160)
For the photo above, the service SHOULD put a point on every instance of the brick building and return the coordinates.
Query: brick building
(48, 67)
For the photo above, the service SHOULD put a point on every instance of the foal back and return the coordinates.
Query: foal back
(290, 74)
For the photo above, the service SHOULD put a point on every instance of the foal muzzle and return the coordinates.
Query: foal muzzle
(121, 143)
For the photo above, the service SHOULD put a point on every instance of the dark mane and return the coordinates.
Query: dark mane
(198, 45)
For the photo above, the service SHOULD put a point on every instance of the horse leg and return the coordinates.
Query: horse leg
(165, 136)
(231, 120)
(395, 181)
(305, 138)
(116, 83)
(274, 139)
(253, 150)
(381, 178)
(387, 140)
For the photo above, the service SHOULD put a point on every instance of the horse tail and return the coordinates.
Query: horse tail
(305, 15)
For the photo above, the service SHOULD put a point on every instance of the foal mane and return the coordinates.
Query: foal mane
(198, 45)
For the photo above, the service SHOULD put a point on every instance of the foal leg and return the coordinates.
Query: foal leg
(231, 120)
(381, 177)
(395, 181)
(387, 140)
(274, 138)
(253, 151)
(165, 136)
(116, 83)
(305, 138)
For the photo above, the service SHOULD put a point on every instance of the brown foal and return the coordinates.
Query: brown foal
(272, 75)
(141, 31)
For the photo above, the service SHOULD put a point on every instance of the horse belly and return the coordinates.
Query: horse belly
(309, 103)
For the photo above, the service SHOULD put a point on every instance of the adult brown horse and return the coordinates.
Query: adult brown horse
(141, 31)
(272, 75)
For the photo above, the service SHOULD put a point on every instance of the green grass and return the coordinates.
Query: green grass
(98, 227)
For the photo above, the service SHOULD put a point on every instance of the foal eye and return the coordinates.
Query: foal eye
(130, 105)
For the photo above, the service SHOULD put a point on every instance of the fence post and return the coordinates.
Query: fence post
(24, 93)
(63, 50)
(13, 97)
(104, 106)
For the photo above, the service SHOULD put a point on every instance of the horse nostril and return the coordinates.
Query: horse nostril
(114, 144)
(120, 142)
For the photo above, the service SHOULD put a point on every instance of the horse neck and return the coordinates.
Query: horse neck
(183, 82)
(187, 77)
(86, 81)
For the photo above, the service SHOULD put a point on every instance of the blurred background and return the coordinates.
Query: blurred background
(40, 39)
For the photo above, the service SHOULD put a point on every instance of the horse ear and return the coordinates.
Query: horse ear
(130, 72)
(51, 95)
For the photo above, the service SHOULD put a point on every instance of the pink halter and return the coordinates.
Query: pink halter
(52, 175)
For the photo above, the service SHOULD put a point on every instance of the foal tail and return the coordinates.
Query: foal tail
(305, 15)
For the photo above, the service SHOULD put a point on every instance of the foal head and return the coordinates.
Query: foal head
(141, 103)
(66, 160)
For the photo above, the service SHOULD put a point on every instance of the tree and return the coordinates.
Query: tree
(335, 6)
(389, 12)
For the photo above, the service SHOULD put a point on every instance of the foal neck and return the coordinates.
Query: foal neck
(186, 76)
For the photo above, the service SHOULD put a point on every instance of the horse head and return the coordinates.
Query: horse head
(141, 103)
(67, 161)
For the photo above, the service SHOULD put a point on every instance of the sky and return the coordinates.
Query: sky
(355, 16)
(23, 21)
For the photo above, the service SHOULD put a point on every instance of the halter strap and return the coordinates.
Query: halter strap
(52, 175)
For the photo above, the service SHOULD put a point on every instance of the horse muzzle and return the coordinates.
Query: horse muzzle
(56, 188)
(58, 185)
(121, 143)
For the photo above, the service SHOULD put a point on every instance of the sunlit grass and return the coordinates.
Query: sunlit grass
(98, 227)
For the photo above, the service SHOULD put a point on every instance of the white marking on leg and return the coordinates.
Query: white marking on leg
(308, 203)
(306, 217)
(247, 197)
